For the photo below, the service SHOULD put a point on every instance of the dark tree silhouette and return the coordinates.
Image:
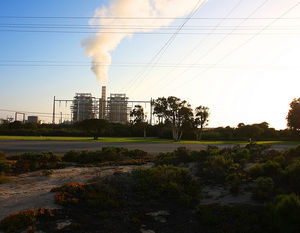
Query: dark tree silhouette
(174, 111)
(293, 117)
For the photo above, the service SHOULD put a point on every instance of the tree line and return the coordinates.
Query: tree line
(176, 120)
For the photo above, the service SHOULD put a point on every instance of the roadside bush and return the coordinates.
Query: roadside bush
(268, 169)
(216, 168)
(264, 189)
(292, 175)
(17, 222)
(107, 154)
(292, 153)
(180, 155)
(284, 213)
(256, 150)
(36, 161)
(166, 182)
(4, 166)
(100, 196)
(241, 155)
(235, 180)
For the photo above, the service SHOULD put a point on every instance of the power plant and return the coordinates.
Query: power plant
(115, 108)
(84, 106)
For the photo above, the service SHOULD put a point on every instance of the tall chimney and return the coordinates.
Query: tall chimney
(102, 103)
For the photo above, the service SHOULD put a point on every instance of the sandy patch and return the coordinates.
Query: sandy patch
(32, 190)
(221, 196)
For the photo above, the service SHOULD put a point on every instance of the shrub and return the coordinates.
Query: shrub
(235, 180)
(37, 161)
(270, 168)
(292, 153)
(241, 156)
(4, 166)
(264, 189)
(2, 156)
(216, 168)
(101, 196)
(256, 150)
(292, 174)
(19, 221)
(166, 182)
(284, 213)
(105, 155)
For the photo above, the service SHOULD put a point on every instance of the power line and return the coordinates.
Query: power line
(39, 113)
(243, 44)
(146, 18)
(112, 27)
(226, 36)
(130, 26)
(157, 56)
(144, 33)
(195, 66)
(202, 40)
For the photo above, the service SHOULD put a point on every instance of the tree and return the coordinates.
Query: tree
(139, 117)
(175, 112)
(293, 117)
(200, 120)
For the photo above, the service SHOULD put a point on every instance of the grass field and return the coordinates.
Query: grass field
(138, 140)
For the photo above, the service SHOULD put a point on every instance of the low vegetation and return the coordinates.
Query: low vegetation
(170, 197)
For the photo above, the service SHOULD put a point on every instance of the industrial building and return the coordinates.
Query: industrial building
(33, 119)
(117, 108)
(84, 106)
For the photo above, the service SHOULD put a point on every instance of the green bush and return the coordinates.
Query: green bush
(105, 155)
(284, 213)
(36, 161)
(100, 196)
(264, 189)
(256, 150)
(292, 153)
(270, 168)
(241, 156)
(292, 174)
(216, 168)
(166, 182)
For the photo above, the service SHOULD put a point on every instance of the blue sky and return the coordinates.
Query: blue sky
(254, 84)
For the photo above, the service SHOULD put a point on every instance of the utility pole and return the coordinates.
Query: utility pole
(53, 118)
(151, 111)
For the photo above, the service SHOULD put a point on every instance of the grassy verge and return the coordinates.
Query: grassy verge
(138, 140)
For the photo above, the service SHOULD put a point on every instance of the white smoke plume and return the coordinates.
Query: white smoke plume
(102, 44)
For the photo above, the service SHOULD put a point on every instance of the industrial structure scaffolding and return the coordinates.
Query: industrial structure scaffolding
(115, 109)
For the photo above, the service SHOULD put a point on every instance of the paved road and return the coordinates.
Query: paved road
(60, 147)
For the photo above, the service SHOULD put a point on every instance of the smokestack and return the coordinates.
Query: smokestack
(141, 14)
(102, 104)
(103, 92)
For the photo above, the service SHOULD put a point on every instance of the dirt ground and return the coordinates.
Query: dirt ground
(32, 190)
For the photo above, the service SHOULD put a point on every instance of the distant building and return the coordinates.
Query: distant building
(84, 107)
(33, 119)
(117, 108)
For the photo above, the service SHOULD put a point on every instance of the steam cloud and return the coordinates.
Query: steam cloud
(102, 44)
